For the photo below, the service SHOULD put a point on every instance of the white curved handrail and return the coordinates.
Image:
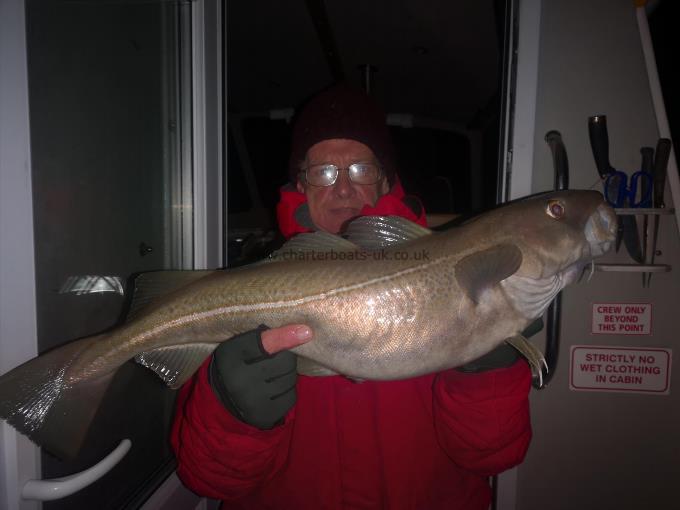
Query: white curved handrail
(55, 488)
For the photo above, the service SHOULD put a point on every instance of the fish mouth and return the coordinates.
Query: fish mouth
(600, 230)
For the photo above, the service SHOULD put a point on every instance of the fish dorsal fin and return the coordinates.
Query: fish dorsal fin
(177, 363)
(150, 286)
(317, 242)
(483, 269)
(375, 232)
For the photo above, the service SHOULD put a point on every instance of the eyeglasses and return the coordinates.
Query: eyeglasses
(326, 174)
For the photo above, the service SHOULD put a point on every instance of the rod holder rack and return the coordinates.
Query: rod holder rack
(637, 268)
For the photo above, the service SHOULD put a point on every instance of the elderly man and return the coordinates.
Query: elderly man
(251, 432)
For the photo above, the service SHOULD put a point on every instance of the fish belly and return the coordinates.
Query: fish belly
(404, 329)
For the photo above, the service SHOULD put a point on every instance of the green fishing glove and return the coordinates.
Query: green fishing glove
(256, 387)
(502, 356)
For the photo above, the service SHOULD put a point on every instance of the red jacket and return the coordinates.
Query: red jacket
(429, 442)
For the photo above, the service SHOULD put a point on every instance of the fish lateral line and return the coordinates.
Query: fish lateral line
(53, 398)
(276, 305)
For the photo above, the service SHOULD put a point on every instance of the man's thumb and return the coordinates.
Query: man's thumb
(285, 337)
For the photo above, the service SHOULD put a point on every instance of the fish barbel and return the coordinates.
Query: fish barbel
(388, 300)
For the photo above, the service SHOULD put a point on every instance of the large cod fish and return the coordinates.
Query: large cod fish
(388, 300)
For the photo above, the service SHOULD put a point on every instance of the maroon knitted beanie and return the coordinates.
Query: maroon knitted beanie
(342, 111)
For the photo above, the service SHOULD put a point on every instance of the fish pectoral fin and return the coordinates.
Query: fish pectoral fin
(532, 354)
(306, 366)
(375, 232)
(38, 399)
(483, 269)
(152, 285)
(314, 242)
(177, 363)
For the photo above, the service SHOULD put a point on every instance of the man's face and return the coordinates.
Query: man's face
(331, 206)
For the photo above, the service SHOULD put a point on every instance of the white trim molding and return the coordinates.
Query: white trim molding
(19, 458)
(526, 89)
(522, 162)
(207, 135)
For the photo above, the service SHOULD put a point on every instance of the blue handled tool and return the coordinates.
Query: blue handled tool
(616, 186)
(620, 192)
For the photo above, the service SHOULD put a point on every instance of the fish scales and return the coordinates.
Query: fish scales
(435, 301)
(228, 303)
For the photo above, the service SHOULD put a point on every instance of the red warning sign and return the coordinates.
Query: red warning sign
(628, 369)
(622, 319)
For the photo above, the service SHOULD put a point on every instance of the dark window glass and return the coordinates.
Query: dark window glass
(268, 143)
(435, 166)
(239, 199)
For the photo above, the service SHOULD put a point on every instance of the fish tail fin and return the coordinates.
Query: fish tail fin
(41, 401)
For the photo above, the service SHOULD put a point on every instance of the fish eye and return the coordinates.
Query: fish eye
(555, 209)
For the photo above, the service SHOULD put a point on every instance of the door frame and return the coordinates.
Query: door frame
(518, 135)
(19, 457)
